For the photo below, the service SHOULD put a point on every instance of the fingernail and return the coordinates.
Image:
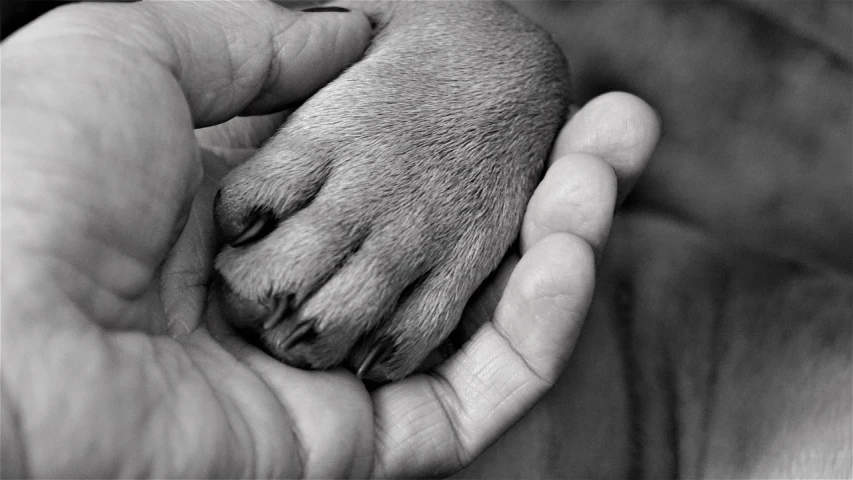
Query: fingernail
(326, 9)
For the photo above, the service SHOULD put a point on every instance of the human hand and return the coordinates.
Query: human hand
(107, 241)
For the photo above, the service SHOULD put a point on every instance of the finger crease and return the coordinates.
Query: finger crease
(228, 413)
(515, 350)
(289, 411)
(461, 450)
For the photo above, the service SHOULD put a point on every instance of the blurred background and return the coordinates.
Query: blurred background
(755, 98)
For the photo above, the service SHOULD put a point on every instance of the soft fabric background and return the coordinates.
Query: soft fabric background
(755, 154)
(755, 99)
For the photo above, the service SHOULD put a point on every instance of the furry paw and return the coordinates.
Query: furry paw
(358, 232)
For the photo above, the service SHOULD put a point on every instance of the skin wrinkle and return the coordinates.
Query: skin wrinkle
(604, 185)
(222, 393)
(336, 40)
(486, 370)
(229, 406)
(493, 416)
(587, 225)
(519, 388)
(178, 66)
(237, 73)
(174, 61)
(148, 426)
(400, 443)
(166, 426)
(276, 46)
(288, 410)
(537, 297)
(514, 349)
(441, 383)
(377, 467)
(137, 43)
(409, 436)
(231, 84)
(272, 75)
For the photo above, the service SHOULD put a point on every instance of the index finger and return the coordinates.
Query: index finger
(434, 424)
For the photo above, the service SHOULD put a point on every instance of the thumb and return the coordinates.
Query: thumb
(228, 57)
(116, 90)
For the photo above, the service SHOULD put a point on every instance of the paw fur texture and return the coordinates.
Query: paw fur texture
(358, 232)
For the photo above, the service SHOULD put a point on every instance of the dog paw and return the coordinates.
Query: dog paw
(358, 232)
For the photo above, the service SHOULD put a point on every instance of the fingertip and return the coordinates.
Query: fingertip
(576, 196)
(610, 124)
(620, 128)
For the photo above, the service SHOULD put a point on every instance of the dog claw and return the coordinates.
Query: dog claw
(379, 352)
(301, 333)
(278, 313)
(258, 225)
(216, 199)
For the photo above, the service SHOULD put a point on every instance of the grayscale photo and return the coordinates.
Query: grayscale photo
(469, 239)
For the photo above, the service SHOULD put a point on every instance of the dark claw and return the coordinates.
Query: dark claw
(303, 332)
(279, 311)
(216, 199)
(382, 350)
(258, 226)
(326, 9)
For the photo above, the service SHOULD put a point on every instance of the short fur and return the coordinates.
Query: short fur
(397, 188)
